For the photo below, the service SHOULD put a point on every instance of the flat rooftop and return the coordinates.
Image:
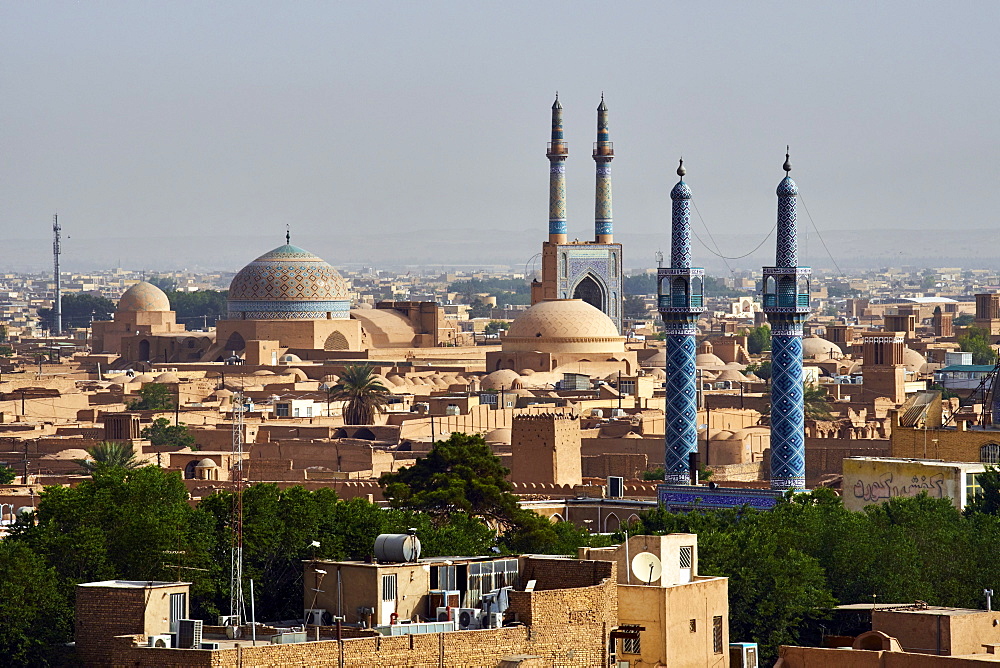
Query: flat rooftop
(132, 584)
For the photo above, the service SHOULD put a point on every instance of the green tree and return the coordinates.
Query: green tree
(161, 432)
(364, 393)
(7, 474)
(976, 340)
(153, 397)
(164, 283)
(929, 279)
(758, 339)
(816, 402)
(199, 307)
(111, 454)
(78, 309)
(34, 613)
(634, 307)
(460, 474)
(760, 369)
(477, 309)
(963, 320)
(497, 326)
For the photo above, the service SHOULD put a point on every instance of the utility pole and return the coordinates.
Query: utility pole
(236, 603)
(56, 252)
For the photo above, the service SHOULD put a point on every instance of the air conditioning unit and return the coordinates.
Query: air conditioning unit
(616, 487)
(210, 645)
(743, 655)
(468, 619)
(314, 616)
(491, 620)
(189, 633)
(617, 412)
(445, 614)
(163, 640)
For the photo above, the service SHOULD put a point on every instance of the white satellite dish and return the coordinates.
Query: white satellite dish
(646, 567)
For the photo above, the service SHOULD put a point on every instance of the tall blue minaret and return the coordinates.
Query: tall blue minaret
(604, 153)
(557, 153)
(786, 303)
(680, 302)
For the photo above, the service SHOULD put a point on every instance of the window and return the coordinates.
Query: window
(631, 646)
(972, 486)
(389, 587)
(693, 626)
(717, 634)
(990, 454)
(309, 411)
(281, 410)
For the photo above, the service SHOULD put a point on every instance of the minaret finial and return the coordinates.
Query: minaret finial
(288, 234)
(680, 168)
(788, 163)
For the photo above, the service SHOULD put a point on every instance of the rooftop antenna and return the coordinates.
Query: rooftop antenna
(56, 252)
(237, 610)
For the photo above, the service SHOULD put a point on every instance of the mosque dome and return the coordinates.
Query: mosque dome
(143, 296)
(503, 378)
(913, 361)
(563, 325)
(787, 188)
(288, 283)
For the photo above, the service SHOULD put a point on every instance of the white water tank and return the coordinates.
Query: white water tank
(397, 547)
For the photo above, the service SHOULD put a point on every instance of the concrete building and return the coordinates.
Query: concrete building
(869, 480)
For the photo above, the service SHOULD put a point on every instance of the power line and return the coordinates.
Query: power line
(719, 254)
(840, 272)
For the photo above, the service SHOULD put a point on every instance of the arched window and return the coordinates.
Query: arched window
(563, 266)
(614, 264)
(990, 454)
(590, 291)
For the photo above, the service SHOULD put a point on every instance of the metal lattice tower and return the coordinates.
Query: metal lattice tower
(236, 603)
(56, 252)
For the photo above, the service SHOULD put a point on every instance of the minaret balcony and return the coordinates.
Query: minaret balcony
(557, 149)
(680, 290)
(604, 149)
(786, 290)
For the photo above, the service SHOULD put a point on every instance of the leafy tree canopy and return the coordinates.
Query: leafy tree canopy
(78, 309)
(634, 307)
(109, 455)
(460, 474)
(161, 432)
(976, 340)
(199, 307)
(7, 474)
(758, 339)
(153, 397)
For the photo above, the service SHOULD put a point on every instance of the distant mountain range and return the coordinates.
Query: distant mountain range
(851, 250)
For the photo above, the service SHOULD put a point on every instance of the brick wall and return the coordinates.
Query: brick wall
(102, 614)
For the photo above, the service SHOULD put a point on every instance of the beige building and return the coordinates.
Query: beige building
(869, 480)
(684, 616)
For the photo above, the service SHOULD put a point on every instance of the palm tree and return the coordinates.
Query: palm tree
(109, 454)
(817, 406)
(364, 393)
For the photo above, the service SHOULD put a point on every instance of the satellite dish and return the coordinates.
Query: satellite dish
(646, 567)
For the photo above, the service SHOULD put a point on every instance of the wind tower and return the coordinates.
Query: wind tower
(680, 299)
(587, 270)
(56, 252)
(786, 304)
(604, 153)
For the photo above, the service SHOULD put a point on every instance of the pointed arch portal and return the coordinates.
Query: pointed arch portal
(590, 291)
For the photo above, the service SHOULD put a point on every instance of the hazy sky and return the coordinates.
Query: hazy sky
(146, 119)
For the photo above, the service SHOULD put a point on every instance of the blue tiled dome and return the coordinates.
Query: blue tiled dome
(787, 188)
(288, 283)
(680, 191)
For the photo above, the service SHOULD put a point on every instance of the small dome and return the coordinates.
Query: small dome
(658, 359)
(503, 378)
(681, 191)
(206, 463)
(913, 361)
(300, 375)
(167, 377)
(500, 435)
(143, 378)
(708, 359)
(731, 375)
(143, 297)
(787, 188)
(262, 372)
(66, 455)
(290, 358)
(815, 347)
